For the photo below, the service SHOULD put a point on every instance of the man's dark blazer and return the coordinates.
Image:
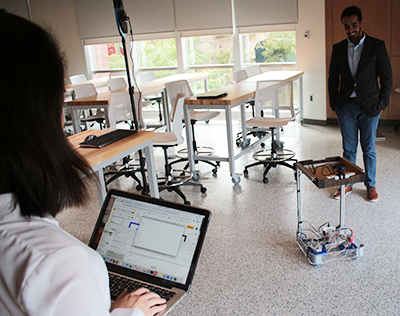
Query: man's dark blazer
(374, 63)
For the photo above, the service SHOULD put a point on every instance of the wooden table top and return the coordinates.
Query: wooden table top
(275, 75)
(246, 89)
(236, 93)
(98, 99)
(95, 156)
(146, 88)
(158, 84)
(97, 82)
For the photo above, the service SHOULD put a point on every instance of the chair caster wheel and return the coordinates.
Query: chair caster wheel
(214, 171)
(218, 163)
(196, 176)
(203, 190)
(186, 203)
(245, 172)
(145, 192)
(139, 187)
(265, 180)
(245, 143)
(262, 145)
(169, 189)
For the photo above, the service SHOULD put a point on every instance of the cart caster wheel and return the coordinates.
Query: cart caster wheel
(186, 203)
(203, 190)
(265, 180)
(235, 179)
(245, 172)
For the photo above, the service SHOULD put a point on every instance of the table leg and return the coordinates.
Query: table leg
(166, 110)
(231, 153)
(151, 170)
(276, 114)
(101, 186)
(189, 139)
(75, 119)
(245, 141)
(106, 115)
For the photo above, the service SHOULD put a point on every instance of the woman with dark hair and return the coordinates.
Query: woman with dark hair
(43, 269)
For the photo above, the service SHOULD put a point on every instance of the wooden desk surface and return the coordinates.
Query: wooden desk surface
(95, 156)
(158, 84)
(98, 82)
(246, 89)
(275, 75)
(146, 88)
(98, 99)
(236, 93)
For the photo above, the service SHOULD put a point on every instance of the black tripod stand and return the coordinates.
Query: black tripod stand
(122, 25)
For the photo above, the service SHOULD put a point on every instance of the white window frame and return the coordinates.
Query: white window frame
(181, 48)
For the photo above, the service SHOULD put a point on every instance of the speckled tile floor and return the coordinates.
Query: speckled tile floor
(251, 263)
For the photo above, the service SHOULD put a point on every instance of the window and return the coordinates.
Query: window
(212, 54)
(207, 50)
(269, 47)
(158, 54)
(106, 57)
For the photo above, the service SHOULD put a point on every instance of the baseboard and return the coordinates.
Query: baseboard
(389, 122)
(314, 122)
(333, 121)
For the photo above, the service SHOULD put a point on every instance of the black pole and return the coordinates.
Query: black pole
(131, 88)
(145, 189)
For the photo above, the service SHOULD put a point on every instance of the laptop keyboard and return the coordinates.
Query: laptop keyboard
(119, 283)
(109, 138)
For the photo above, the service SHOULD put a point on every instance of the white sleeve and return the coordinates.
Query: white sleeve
(66, 283)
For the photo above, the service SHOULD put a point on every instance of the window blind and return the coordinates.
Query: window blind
(202, 15)
(265, 12)
(97, 18)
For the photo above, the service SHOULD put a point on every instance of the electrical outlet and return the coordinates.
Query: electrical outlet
(311, 98)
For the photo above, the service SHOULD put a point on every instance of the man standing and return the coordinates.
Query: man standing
(355, 95)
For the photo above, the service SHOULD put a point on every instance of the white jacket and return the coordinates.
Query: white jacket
(46, 271)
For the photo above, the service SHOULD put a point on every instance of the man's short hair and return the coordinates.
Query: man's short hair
(353, 10)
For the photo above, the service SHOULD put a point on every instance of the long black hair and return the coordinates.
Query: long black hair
(37, 163)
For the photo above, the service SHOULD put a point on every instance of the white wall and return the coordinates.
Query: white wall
(311, 57)
(60, 17)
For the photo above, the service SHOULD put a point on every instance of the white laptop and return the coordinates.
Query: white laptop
(148, 242)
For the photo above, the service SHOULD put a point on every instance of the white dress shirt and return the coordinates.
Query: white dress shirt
(354, 55)
(46, 271)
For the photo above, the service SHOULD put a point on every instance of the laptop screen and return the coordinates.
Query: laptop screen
(149, 238)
